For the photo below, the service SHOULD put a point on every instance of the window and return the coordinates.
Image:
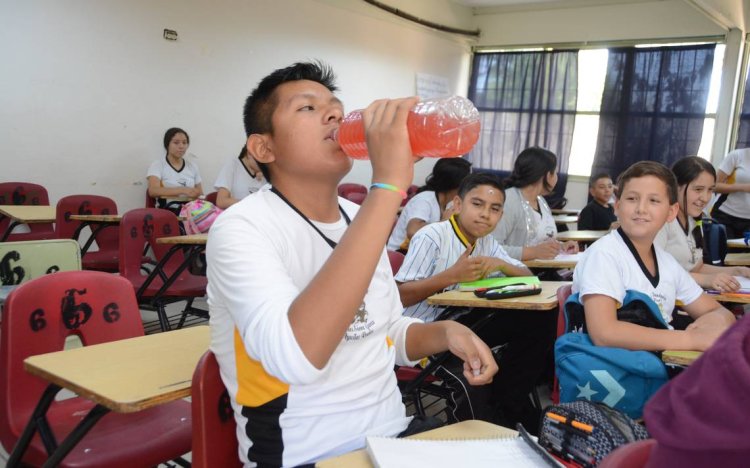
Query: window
(591, 73)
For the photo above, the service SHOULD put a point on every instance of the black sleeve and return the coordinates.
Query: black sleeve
(586, 219)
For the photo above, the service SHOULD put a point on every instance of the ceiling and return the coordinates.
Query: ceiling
(538, 3)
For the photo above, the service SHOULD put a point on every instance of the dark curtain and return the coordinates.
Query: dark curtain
(743, 135)
(653, 106)
(524, 99)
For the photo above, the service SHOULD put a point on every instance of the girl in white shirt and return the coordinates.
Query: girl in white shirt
(696, 181)
(174, 176)
(239, 177)
(733, 181)
(527, 229)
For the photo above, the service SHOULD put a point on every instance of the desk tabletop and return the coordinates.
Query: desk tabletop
(680, 358)
(191, 239)
(29, 213)
(737, 243)
(128, 375)
(97, 218)
(565, 211)
(565, 219)
(472, 429)
(547, 300)
(581, 236)
(561, 261)
(737, 259)
(730, 297)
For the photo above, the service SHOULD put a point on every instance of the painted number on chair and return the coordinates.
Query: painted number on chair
(36, 320)
(74, 315)
(111, 312)
(11, 275)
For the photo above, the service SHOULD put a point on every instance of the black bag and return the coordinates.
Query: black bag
(714, 242)
(584, 432)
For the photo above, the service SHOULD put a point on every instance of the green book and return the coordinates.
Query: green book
(497, 282)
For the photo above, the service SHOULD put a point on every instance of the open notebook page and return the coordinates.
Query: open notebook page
(388, 452)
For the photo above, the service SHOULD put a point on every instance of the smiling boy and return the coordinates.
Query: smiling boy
(306, 321)
(460, 249)
(626, 259)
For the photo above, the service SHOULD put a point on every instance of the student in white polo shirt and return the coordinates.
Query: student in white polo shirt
(627, 259)
(239, 177)
(462, 249)
(174, 176)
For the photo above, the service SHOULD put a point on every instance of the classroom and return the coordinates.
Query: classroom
(95, 85)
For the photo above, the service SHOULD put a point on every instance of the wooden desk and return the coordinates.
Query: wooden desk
(737, 259)
(564, 211)
(189, 239)
(547, 300)
(26, 214)
(121, 376)
(680, 358)
(581, 236)
(566, 261)
(734, 298)
(737, 244)
(473, 429)
(565, 219)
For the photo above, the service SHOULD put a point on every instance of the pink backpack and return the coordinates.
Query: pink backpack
(199, 215)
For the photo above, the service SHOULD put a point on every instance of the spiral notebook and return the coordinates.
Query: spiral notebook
(516, 452)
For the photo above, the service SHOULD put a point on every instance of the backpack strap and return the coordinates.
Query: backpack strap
(637, 308)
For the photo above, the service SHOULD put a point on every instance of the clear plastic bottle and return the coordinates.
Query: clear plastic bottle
(438, 128)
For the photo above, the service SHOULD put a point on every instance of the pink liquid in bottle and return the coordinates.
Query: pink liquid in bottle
(438, 128)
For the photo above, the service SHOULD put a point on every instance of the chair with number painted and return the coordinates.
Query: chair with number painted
(98, 307)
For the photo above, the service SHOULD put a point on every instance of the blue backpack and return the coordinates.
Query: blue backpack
(619, 378)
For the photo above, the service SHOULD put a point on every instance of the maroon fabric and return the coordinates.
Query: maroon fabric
(702, 417)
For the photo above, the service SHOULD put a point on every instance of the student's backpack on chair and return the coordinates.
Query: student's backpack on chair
(620, 378)
(714, 242)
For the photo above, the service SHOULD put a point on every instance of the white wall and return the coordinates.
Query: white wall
(622, 21)
(88, 88)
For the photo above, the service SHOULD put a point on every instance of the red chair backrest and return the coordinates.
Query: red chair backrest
(143, 226)
(37, 318)
(562, 295)
(632, 455)
(344, 189)
(212, 197)
(356, 197)
(23, 193)
(214, 428)
(86, 205)
(396, 259)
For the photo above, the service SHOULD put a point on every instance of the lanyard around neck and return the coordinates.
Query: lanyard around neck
(329, 241)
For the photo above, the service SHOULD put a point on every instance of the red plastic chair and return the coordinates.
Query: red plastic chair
(396, 259)
(212, 197)
(347, 188)
(214, 428)
(562, 295)
(356, 197)
(108, 239)
(97, 307)
(143, 226)
(632, 455)
(25, 193)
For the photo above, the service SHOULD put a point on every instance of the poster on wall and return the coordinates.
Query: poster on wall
(432, 86)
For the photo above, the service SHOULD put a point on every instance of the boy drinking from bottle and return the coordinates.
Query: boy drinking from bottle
(306, 322)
